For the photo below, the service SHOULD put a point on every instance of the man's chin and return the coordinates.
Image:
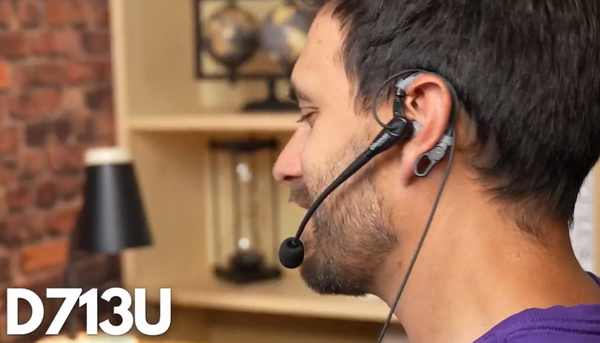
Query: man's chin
(324, 283)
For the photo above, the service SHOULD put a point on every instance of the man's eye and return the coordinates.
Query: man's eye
(306, 117)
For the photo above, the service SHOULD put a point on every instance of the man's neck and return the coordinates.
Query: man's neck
(475, 271)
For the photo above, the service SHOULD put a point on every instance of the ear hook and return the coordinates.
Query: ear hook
(426, 161)
(403, 84)
(433, 156)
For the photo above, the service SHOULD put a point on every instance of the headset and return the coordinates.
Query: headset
(397, 130)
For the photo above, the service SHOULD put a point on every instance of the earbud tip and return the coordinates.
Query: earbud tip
(291, 253)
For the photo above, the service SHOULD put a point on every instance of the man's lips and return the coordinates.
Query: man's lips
(303, 205)
(300, 195)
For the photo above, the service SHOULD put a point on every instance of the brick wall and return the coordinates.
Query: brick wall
(55, 101)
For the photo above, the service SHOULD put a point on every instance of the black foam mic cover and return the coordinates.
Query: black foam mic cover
(291, 253)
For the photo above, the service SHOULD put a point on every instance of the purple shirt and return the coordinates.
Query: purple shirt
(558, 324)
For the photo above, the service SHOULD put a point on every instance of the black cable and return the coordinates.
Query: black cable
(452, 133)
(421, 241)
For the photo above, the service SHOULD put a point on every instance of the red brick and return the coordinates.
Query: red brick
(34, 104)
(64, 42)
(10, 140)
(70, 185)
(19, 229)
(81, 13)
(5, 75)
(7, 16)
(100, 99)
(62, 220)
(29, 13)
(97, 42)
(13, 44)
(18, 199)
(104, 128)
(3, 288)
(103, 70)
(44, 255)
(8, 173)
(5, 268)
(80, 72)
(3, 211)
(100, 13)
(56, 154)
(4, 112)
(4, 338)
(40, 282)
(60, 46)
(57, 12)
(36, 134)
(73, 99)
(43, 74)
(46, 194)
(33, 165)
(61, 129)
(76, 161)
(83, 128)
(64, 159)
(43, 133)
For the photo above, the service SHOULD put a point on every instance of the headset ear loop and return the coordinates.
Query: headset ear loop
(432, 157)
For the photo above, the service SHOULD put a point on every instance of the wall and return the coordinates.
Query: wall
(55, 101)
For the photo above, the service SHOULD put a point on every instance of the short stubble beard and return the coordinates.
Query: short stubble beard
(352, 235)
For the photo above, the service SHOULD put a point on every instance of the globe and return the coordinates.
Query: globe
(283, 33)
(231, 36)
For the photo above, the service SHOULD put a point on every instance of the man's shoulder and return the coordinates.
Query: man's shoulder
(576, 324)
(545, 328)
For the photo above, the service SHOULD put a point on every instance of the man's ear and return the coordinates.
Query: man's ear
(429, 103)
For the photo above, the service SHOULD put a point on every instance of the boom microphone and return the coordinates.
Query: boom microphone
(291, 251)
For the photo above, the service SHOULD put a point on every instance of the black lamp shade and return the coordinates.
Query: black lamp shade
(112, 218)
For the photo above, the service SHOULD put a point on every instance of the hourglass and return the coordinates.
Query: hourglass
(245, 210)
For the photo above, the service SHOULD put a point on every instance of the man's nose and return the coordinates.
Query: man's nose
(288, 166)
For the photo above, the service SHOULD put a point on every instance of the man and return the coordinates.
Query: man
(497, 264)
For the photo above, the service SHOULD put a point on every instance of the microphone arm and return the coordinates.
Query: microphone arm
(345, 175)
(291, 251)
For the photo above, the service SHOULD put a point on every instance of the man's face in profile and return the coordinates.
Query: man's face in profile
(350, 235)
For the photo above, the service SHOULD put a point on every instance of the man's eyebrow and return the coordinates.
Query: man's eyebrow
(296, 95)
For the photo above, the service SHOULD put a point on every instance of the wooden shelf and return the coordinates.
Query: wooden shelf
(288, 296)
(218, 122)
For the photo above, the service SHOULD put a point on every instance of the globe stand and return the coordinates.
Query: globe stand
(271, 103)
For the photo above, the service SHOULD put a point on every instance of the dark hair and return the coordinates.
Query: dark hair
(527, 73)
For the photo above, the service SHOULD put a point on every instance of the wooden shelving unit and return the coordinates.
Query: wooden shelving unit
(217, 122)
(165, 118)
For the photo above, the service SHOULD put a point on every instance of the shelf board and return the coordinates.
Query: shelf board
(215, 122)
(288, 296)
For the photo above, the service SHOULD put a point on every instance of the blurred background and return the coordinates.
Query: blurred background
(195, 91)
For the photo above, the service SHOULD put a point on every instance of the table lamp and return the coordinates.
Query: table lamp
(112, 217)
